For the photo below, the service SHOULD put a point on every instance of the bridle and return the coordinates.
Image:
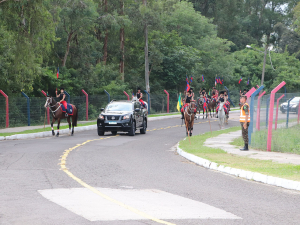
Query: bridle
(190, 110)
(48, 104)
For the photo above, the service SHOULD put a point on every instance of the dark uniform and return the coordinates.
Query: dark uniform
(245, 111)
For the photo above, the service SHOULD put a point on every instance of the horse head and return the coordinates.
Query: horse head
(48, 102)
(192, 107)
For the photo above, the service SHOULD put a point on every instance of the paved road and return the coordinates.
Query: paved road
(143, 172)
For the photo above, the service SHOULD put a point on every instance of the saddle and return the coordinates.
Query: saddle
(69, 109)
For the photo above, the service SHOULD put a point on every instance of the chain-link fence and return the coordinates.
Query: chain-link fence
(18, 107)
(283, 120)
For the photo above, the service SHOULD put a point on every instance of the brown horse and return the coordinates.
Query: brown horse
(189, 117)
(212, 106)
(58, 114)
(200, 103)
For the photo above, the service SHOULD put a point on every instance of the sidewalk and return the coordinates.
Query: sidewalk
(222, 141)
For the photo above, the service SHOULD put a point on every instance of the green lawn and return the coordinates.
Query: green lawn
(46, 129)
(283, 140)
(267, 167)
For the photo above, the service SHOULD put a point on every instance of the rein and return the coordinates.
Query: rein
(51, 106)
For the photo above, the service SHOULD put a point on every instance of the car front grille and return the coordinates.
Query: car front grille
(112, 117)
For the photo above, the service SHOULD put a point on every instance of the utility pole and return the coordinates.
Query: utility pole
(264, 65)
(146, 53)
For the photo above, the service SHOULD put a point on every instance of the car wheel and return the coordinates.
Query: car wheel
(132, 129)
(283, 111)
(114, 132)
(100, 132)
(144, 129)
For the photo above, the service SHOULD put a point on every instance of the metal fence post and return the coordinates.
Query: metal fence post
(270, 125)
(277, 106)
(288, 112)
(108, 96)
(68, 96)
(284, 93)
(229, 96)
(267, 112)
(148, 101)
(258, 111)
(126, 95)
(7, 108)
(299, 112)
(87, 104)
(250, 130)
(168, 100)
(28, 108)
(48, 112)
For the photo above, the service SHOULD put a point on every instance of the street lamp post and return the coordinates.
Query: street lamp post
(264, 64)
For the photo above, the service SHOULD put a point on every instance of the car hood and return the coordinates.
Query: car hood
(116, 113)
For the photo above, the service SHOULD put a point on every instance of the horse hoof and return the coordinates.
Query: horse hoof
(72, 134)
(57, 135)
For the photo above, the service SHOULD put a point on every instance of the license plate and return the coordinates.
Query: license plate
(112, 122)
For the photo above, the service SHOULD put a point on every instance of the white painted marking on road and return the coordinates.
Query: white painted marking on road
(159, 204)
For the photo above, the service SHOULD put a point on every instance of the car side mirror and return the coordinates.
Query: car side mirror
(137, 110)
(102, 109)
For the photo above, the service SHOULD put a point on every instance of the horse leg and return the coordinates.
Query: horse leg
(69, 122)
(53, 121)
(58, 123)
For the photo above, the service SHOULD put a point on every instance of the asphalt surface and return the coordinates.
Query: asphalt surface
(141, 162)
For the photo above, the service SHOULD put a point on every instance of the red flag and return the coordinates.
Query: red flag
(57, 74)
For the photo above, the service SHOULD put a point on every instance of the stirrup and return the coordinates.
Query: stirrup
(66, 115)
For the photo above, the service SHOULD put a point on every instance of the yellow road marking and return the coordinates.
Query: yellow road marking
(63, 162)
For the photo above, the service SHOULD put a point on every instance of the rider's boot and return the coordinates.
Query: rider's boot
(245, 148)
(182, 115)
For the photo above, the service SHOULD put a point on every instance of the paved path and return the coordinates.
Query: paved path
(122, 180)
(223, 142)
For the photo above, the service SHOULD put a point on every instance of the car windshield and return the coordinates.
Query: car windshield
(119, 107)
(295, 100)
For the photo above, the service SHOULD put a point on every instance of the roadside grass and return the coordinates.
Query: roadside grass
(46, 129)
(283, 140)
(67, 126)
(165, 114)
(267, 167)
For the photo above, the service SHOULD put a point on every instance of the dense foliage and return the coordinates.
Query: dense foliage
(100, 45)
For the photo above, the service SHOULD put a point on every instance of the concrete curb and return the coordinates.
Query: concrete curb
(66, 131)
(274, 181)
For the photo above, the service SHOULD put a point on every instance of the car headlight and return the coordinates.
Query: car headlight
(101, 117)
(126, 117)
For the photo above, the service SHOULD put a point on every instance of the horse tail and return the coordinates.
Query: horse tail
(76, 118)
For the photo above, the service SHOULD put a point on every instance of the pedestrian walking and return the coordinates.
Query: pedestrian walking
(244, 120)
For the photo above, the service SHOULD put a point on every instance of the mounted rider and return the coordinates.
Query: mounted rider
(220, 99)
(189, 98)
(62, 97)
(139, 96)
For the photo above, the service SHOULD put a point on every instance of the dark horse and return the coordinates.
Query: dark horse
(58, 114)
(200, 102)
(189, 117)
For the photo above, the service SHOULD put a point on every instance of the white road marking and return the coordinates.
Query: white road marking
(156, 203)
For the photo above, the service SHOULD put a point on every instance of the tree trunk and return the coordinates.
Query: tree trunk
(122, 45)
(98, 36)
(106, 38)
(122, 53)
(105, 47)
(146, 54)
(68, 49)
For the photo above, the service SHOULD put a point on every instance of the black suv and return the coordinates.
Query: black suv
(126, 116)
